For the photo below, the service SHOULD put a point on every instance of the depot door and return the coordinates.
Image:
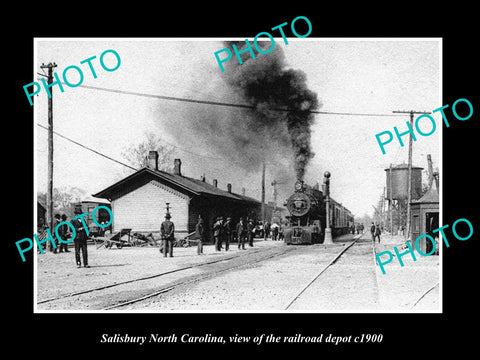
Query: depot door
(431, 223)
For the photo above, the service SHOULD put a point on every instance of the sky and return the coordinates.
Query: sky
(357, 76)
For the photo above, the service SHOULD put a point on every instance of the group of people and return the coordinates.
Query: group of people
(357, 228)
(223, 234)
(65, 233)
(223, 231)
(275, 230)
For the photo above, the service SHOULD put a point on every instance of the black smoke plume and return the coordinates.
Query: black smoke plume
(275, 130)
(282, 102)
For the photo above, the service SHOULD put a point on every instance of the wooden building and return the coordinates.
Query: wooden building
(41, 215)
(139, 200)
(425, 218)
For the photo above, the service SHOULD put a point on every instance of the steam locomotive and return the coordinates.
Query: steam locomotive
(307, 220)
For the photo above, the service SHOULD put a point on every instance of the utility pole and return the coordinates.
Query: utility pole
(383, 208)
(390, 200)
(263, 193)
(409, 183)
(275, 194)
(50, 223)
(326, 189)
(430, 170)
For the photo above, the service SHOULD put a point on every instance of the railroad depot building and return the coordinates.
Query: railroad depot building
(139, 201)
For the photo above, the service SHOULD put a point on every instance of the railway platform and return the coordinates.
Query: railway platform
(58, 276)
(424, 274)
(269, 277)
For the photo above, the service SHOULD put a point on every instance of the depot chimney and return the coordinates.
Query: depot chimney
(177, 167)
(153, 160)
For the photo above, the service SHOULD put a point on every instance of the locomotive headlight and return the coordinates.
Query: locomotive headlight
(298, 185)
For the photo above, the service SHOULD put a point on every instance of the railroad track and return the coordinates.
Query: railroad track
(325, 268)
(424, 294)
(231, 262)
(69, 295)
(270, 254)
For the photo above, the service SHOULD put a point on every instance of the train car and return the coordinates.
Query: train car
(307, 220)
(342, 219)
(102, 215)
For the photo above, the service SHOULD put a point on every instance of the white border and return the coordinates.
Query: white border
(283, 312)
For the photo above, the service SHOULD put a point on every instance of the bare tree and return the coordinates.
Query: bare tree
(137, 154)
(64, 199)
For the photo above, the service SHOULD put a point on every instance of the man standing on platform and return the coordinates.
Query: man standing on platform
(80, 240)
(251, 232)
(227, 232)
(200, 234)
(378, 231)
(63, 231)
(167, 231)
(274, 231)
(217, 233)
(266, 230)
(241, 234)
(372, 231)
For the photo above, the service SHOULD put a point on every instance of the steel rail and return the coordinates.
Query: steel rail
(143, 278)
(336, 257)
(195, 279)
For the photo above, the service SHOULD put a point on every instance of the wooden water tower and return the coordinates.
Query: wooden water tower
(397, 191)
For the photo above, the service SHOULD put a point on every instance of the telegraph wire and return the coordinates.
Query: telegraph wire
(195, 101)
(217, 103)
(110, 158)
(86, 147)
(117, 161)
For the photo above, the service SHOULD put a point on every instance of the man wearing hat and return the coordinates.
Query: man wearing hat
(372, 231)
(217, 233)
(57, 242)
(251, 231)
(63, 232)
(200, 235)
(80, 240)
(167, 231)
(241, 233)
(227, 232)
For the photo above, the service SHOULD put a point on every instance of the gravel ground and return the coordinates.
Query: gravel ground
(401, 287)
(57, 274)
(352, 284)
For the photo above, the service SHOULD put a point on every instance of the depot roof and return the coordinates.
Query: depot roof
(180, 182)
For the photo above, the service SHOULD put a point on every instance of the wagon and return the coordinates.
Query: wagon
(116, 239)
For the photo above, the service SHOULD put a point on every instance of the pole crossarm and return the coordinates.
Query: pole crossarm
(409, 186)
